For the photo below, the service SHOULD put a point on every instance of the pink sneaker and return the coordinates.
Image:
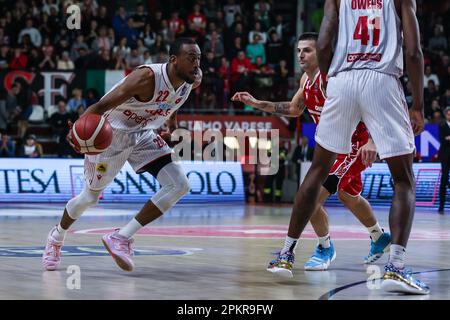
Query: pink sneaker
(120, 248)
(52, 253)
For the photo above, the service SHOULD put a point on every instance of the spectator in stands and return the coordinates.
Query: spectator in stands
(438, 42)
(64, 63)
(103, 18)
(48, 5)
(31, 148)
(78, 113)
(27, 45)
(140, 18)
(118, 61)
(256, 49)
(279, 27)
(134, 60)
(445, 99)
(76, 100)
(122, 48)
(120, 22)
(77, 46)
(19, 59)
(281, 80)
(430, 95)
(435, 106)
(264, 8)
(102, 41)
(197, 20)
(257, 31)
(235, 48)
(210, 9)
(4, 56)
(48, 61)
(24, 108)
(240, 71)
(444, 157)
(166, 32)
(34, 59)
(5, 111)
(92, 34)
(225, 75)
(176, 24)
(34, 33)
(148, 35)
(44, 25)
(140, 47)
(436, 118)
(302, 153)
(131, 33)
(92, 97)
(147, 57)
(430, 76)
(159, 46)
(231, 9)
(59, 121)
(214, 44)
(275, 50)
(7, 146)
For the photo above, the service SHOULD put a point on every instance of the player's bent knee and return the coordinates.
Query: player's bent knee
(347, 198)
(78, 205)
(174, 185)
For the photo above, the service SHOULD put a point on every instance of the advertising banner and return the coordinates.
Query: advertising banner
(58, 180)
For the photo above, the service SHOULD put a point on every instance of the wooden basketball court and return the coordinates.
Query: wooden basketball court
(207, 252)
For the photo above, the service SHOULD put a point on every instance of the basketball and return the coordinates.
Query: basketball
(92, 133)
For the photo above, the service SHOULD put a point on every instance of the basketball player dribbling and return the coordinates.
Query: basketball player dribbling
(345, 175)
(363, 85)
(136, 106)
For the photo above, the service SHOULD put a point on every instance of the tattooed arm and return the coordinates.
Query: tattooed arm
(293, 108)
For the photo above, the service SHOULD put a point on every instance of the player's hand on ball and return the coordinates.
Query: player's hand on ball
(245, 98)
(69, 138)
(417, 121)
(368, 153)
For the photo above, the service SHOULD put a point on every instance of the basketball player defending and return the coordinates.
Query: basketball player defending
(345, 175)
(137, 105)
(363, 84)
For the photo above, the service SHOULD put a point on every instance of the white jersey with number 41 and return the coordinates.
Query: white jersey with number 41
(370, 37)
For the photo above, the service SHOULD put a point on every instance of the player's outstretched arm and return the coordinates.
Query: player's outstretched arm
(293, 108)
(326, 36)
(414, 62)
(138, 83)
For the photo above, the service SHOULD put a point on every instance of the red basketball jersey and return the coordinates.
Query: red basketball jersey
(314, 100)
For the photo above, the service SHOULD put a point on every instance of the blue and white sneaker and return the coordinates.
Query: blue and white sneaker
(401, 281)
(377, 248)
(283, 264)
(321, 258)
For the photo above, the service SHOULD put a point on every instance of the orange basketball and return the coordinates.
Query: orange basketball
(92, 133)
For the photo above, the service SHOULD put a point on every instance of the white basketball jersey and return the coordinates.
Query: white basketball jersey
(135, 115)
(369, 37)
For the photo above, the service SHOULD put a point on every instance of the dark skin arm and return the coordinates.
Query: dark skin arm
(327, 34)
(141, 83)
(414, 62)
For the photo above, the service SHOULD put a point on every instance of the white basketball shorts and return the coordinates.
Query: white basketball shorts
(138, 148)
(375, 98)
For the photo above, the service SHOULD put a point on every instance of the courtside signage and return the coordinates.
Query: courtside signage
(58, 180)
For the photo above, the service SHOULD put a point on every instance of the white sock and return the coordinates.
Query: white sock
(375, 232)
(325, 241)
(289, 244)
(130, 229)
(59, 233)
(397, 256)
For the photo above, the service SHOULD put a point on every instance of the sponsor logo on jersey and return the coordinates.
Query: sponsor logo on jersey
(102, 167)
(183, 91)
(158, 112)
